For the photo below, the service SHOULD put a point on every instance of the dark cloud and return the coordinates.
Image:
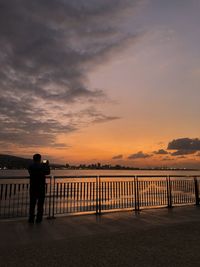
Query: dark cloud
(118, 157)
(139, 155)
(184, 146)
(160, 152)
(47, 49)
(22, 124)
(183, 152)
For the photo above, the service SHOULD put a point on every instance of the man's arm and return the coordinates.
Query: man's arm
(47, 168)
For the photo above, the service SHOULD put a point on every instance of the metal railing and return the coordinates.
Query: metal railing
(97, 194)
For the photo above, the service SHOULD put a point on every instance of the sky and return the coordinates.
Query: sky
(113, 81)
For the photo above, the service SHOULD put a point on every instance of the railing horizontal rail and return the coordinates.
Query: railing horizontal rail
(18, 177)
(96, 194)
(75, 176)
(143, 176)
(102, 176)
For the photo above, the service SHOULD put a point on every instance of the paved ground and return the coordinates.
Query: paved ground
(152, 238)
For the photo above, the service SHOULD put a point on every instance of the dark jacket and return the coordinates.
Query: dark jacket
(37, 172)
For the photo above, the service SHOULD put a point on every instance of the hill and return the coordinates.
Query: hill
(14, 162)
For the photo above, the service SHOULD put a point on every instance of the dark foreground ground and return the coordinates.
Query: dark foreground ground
(153, 238)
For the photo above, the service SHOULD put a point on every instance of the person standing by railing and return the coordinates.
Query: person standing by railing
(38, 171)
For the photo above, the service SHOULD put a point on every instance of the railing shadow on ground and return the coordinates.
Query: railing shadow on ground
(67, 195)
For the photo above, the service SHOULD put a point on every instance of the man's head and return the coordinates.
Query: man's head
(37, 158)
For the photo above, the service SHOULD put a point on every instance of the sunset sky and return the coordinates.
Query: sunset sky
(113, 81)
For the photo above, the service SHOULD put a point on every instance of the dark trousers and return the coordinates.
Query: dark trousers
(39, 200)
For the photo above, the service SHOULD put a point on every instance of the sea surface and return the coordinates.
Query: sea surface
(21, 173)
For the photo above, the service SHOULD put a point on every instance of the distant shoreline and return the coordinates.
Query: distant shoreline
(110, 169)
(10, 162)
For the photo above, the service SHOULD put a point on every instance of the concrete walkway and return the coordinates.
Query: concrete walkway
(159, 237)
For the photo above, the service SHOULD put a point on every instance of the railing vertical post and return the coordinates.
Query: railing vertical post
(136, 189)
(196, 190)
(53, 195)
(100, 192)
(97, 195)
(169, 192)
(50, 196)
(138, 194)
(135, 193)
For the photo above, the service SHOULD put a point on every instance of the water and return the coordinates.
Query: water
(18, 173)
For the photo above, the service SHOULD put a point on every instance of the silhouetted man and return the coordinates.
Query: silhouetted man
(37, 171)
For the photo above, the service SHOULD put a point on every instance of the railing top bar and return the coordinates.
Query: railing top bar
(17, 177)
(148, 176)
(127, 176)
(102, 176)
(48, 177)
(171, 176)
(75, 176)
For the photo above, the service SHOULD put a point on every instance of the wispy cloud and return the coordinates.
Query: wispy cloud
(139, 155)
(183, 152)
(160, 152)
(47, 49)
(117, 157)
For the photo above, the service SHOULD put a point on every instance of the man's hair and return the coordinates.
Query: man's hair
(37, 157)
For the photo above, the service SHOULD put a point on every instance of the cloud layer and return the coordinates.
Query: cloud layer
(47, 49)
